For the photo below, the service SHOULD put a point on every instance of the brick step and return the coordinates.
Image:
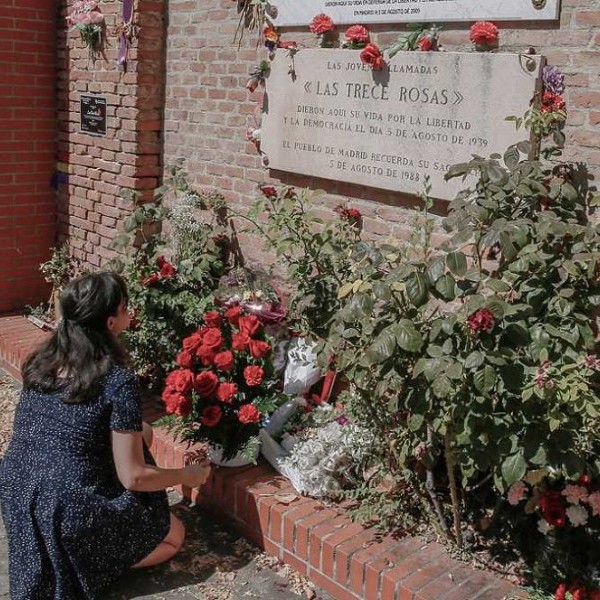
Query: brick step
(319, 540)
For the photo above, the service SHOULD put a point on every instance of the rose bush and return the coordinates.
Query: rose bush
(225, 384)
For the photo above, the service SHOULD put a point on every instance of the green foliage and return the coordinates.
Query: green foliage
(435, 382)
(167, 308)
(61, 267)
(317, 254)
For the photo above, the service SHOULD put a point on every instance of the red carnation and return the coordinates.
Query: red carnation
(253, 375)
(481, 320)
(258, 348)
(226, 392)
(206, 383)
(176, 403)
(357, 34)
(426, 44)
(269, 191)
(561, 592)
(224, 361)
(185, 359)
(211, 415)
(233, 315)
(206, 356)
(213, 339)
(249, 414)
(321, 24)
(239, 342)
(484, 33)
(552, 507)
(373, 57)
(192, 342)
(212, 318)
(552, 103)
(249, 324)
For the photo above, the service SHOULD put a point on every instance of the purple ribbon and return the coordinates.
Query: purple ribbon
(127, 15)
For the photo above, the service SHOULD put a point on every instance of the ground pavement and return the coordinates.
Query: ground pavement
(216, 563)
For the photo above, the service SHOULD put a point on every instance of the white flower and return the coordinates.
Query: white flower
(543, 526)
(594, 502)
(516, 493)
(575, 494)
(577, 515)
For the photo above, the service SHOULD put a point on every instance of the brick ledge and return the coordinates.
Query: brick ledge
(348, 561)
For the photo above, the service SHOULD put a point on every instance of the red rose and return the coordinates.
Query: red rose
(321, 24)
(233, 315)
(176, 403)
(213, 339)
(249, 414)
(578, 591)
(167, 271)
(181, 380)
(206, 356)
(206, 383)
(357, 34)
(185, 359)
(151, 280)
(249, 324)
(253, 375)
(269, 191)
(226, 392)
(426, 44)
(239, 342)
(258, 348)
(224, 361)
(552, 103)
(481, 320)
(161, 261)
(372, 56)
(211, 415)
(561, 592)
(192, 342)
(552, 507)
(484, 33)
(212, 318)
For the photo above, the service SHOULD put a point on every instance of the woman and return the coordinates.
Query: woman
(81, 498)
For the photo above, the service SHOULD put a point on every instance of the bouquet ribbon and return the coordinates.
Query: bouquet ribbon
(125, 31)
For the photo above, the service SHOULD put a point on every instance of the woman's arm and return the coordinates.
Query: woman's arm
(137, 476)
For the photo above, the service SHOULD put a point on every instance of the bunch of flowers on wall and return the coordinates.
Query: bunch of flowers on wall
(85, 17)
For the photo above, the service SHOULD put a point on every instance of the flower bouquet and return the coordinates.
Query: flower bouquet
(88, 20)
(225, 386)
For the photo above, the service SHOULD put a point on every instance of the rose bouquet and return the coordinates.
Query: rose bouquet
(86, 17)
(225, 386)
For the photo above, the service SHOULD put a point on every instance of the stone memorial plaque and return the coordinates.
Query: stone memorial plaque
(93, 114)
(295, 12)
(388, 129)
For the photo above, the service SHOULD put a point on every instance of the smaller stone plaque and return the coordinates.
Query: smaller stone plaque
(93, 114)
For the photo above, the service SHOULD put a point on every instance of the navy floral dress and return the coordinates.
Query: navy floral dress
(72, 527)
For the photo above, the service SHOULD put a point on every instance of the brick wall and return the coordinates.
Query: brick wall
(208, 109)
(90, 208)
(27, 148)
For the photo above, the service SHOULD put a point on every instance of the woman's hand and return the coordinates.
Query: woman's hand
(197, 474)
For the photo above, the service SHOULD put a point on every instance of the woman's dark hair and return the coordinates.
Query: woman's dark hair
(81, 348)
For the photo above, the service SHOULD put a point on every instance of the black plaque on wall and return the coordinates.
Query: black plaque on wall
(93, 114)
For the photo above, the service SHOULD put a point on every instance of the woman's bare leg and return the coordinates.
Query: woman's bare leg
(168, 548)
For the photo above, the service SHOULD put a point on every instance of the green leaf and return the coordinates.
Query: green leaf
(408, 337)
(384, 345)
(474, 360)
(446, 287)
(416, 422)
(485, 379)
(511, 157)
(514, 468)
(457, 263)
(441, 387)
(417, 288)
